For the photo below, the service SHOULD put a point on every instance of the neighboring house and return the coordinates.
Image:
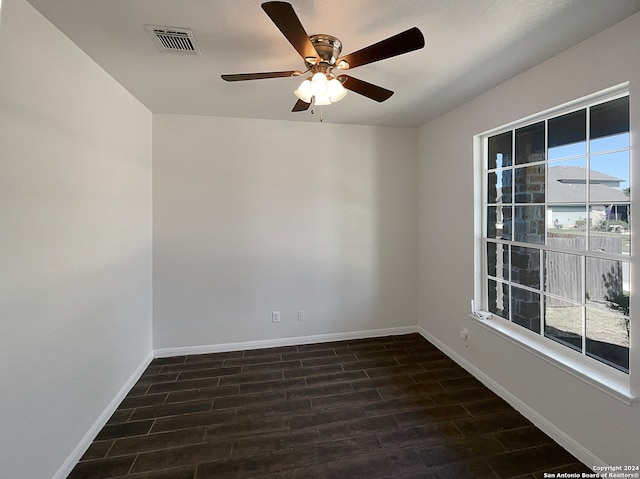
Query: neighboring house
(567, 185)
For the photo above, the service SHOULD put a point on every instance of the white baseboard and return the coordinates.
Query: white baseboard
(88, 438)
(557, 434)
(272, 343)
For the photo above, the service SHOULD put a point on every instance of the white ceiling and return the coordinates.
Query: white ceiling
(471, 46)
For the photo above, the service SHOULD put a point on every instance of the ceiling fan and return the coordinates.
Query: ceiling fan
(321, 55)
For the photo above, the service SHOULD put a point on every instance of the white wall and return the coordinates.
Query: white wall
(600, 427)
(75, 243)
(252, 216)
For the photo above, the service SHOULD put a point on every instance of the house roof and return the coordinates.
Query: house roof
(564, 173)
(567, 184)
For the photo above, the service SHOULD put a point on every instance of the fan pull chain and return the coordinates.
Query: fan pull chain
(313, 112)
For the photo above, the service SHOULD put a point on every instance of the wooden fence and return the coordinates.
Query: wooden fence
(604, 278)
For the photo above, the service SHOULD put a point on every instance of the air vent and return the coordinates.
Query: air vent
(171, 39)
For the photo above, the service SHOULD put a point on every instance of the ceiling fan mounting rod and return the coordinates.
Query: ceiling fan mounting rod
(327, 47)
(321, 67)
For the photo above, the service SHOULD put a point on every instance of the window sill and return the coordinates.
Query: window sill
(578, 368)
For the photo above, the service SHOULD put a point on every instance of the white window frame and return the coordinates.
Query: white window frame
(606, 378)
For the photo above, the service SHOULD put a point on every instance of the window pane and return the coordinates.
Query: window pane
(609, 178)
(608, 143)
(500, 151)
(563, 322)
(525, 308)
(507, 222)
(566, 226)
(568, 135)
(529, 224)
(609, 125)
(499, 186)
(608, 337)
(566, 181)
(498, 260)
(498, 296)
(609, 228)
(499, 222)
(563, 275)
(493, 188)
(530, 184)
(525, 266)
(607, 284)
(530, 144)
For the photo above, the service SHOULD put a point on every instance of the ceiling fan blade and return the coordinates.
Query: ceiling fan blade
(285, 18)
(364, 88)
(301, 106)
(404, 42)
(260, 76)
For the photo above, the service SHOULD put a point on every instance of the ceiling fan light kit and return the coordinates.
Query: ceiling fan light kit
(304, 91)
(319, 84)
(321, 89)
(321, 55)
(322, 100)
(336, 91)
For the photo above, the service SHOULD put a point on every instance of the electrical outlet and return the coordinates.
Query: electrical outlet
(275, 316)
(464, 334)
(300, 315)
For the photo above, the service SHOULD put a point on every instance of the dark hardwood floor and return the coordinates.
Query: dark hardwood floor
(381, 408)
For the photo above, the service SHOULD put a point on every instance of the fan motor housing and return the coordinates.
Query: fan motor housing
(328, 48)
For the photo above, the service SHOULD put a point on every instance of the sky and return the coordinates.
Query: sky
(614, 164)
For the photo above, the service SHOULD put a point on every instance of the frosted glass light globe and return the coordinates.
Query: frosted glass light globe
(304, 91)
(321, 100)
(319, 84)
(336, 91)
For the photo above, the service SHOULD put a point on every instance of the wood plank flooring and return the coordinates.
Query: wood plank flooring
(380, 408)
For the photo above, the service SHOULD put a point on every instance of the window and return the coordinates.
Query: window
(556, 220)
